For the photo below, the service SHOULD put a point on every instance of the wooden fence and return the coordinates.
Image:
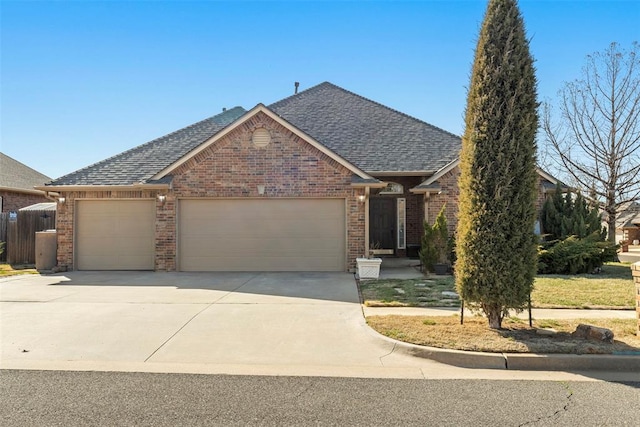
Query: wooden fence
(20, 234)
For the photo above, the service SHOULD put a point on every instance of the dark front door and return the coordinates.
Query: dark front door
(382, 223)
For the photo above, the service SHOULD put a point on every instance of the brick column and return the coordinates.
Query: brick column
(635, 269)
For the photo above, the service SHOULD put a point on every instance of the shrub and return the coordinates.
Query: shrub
(574, 256)
(436, 244)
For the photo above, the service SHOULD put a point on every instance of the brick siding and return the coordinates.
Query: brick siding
(233, 167)
(449, 194)
(635, 271)
(13, 201)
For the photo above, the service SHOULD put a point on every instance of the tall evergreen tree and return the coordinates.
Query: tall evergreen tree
(496, 244)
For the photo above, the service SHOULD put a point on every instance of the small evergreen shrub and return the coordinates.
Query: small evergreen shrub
(436, 244)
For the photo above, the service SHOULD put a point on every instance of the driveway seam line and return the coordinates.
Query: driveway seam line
(176, 332)
(234, 290)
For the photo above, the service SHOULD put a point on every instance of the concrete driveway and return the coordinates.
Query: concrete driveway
(275, 323)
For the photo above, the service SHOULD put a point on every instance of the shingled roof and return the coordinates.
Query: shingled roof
(18, 176)
(141, 163)
(368, 135)
(372, 136)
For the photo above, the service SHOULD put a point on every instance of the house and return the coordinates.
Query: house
(17, 182)
(628, 223)
(307, 183)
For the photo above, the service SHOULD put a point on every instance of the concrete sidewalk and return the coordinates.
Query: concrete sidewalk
(537, 313)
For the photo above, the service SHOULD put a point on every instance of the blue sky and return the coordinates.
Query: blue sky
(84, 80)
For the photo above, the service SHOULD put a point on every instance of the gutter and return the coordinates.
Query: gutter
(140, 186)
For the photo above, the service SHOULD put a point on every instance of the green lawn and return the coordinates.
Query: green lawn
(612, 288)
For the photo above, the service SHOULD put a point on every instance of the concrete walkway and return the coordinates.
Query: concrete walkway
(537, 313)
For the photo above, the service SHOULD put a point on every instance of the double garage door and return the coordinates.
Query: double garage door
(262, 235)
(216, 235)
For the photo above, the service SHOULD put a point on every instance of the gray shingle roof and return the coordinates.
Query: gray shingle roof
(14, 174)
(369, 135)
(141, 163)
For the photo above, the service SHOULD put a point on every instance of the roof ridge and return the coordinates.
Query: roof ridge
(327, 83)
(394, 110)
(148, 143)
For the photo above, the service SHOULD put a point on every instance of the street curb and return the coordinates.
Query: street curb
(517, 361)
(573, 362)
(459, 358)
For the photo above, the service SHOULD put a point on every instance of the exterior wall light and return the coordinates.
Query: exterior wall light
(62, 200)
(261, 190)
(362, 198)
(162, 198)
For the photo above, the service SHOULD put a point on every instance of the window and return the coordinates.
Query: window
(393, 188)
(401, 223)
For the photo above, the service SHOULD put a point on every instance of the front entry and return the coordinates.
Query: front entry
(382, 223)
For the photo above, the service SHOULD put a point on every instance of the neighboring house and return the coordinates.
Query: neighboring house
(308, 183)
(628, 223)
(17, 182)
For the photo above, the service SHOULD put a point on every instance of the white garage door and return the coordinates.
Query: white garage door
(115, 234)
(262, 235)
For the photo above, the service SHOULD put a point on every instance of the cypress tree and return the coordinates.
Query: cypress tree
(496, 244)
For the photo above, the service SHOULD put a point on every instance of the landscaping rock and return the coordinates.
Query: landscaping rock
(398, 290)
(546, 332)
(593, 333)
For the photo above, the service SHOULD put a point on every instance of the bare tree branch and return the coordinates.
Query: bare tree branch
(597, 136)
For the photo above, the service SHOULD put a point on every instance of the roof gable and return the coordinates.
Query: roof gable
(248, 116)
(18, 176)
(143, 162)
(431, 184)
(366, 133)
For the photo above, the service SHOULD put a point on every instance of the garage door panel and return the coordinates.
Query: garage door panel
(262, 235)
(115, 234)
(234, 263)
(258, 248)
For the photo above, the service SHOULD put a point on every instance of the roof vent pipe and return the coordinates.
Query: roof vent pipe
(297, 85)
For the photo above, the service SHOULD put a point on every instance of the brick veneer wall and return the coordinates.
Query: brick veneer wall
(13, 201)
(635, 270)
(450, 193)
(233, 167)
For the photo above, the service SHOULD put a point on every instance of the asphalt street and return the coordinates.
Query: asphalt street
(45, 398)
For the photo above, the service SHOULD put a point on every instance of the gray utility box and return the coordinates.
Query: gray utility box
(46, 249)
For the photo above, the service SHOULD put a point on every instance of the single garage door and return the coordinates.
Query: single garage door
(115, 234)
(262, 235)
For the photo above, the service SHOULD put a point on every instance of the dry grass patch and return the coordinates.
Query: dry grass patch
(14, 270)
(516, 337)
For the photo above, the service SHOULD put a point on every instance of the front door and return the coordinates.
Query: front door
(382, 223)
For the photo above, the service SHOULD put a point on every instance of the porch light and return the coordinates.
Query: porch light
(362, 198)
(162, 198)
(62, 200)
